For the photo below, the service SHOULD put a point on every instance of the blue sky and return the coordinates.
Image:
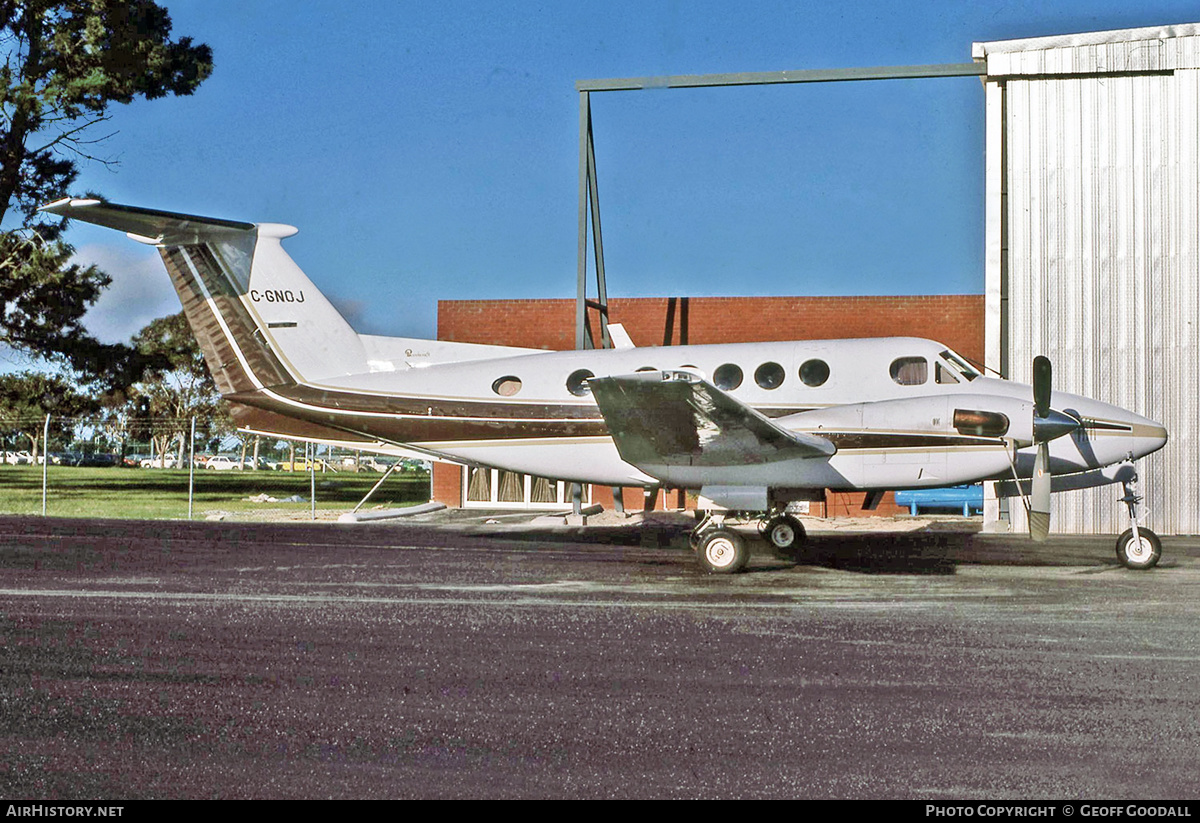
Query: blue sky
(430, 150)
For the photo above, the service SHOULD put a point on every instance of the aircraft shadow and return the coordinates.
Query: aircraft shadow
(925, 553)
(888, 553)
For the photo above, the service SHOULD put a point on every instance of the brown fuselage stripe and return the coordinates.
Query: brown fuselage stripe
(376, 417)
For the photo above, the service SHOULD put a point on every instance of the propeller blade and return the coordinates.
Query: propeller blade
(1039, 497)
(1042, 377)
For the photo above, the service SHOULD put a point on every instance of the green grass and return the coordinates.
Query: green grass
(163, 493)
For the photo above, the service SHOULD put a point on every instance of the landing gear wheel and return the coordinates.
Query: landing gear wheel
(722, 551)
(784, 534)
(1142, 553)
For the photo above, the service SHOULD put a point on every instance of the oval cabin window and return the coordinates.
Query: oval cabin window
(577, 383)
(727, 377)
(769, 375)
(507, 386)
(814, 373)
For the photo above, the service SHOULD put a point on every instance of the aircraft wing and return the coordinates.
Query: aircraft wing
(674, 418)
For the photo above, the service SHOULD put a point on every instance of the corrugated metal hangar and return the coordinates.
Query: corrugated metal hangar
(1093, 228)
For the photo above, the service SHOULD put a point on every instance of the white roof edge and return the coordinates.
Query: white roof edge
(982, 49)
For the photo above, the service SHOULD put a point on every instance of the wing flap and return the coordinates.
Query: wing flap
(674, 418)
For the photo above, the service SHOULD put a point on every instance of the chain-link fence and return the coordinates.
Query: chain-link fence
(177, 467)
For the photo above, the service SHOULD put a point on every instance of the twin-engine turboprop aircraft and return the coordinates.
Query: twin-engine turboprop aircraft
(751, 426)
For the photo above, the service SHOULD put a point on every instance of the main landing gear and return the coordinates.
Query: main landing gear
(721, 550)
(1138, 547)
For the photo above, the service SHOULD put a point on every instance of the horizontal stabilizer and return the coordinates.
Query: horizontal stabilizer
(674, 418)
(147, 225)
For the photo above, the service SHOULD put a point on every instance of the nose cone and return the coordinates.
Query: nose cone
(1124, 434)
(1108, 434)
(1148, 436)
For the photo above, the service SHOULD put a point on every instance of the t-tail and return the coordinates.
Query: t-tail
(260, 321)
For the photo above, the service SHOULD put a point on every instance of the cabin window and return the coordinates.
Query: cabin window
(577, 383)
(942, 374)
(980, 423)
(727, 377)
(910, 371)
(814, 373)
(507, 386)
(769, 375)
(959, 363)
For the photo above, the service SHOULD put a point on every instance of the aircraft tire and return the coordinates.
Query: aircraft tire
(1143, 554)
(784, 534)
(722, 551)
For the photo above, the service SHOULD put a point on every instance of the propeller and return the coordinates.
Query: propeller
(1048, 425)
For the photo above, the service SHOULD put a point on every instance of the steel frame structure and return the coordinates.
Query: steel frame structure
(589, 193)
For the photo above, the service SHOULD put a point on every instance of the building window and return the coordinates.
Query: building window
(727, 377)
(498, 489)
(479, 485)
(910, 371)
(814, 373)
(769, 375)
(512, 488)
(543, 490)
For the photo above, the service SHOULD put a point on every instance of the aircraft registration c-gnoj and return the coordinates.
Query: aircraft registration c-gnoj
(750, 426)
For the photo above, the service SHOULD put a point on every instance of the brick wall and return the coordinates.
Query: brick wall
(447, 484)
(955, 320)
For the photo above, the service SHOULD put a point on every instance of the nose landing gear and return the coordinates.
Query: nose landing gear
(1138, 547)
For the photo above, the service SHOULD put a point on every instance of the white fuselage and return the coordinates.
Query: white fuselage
(891, 400)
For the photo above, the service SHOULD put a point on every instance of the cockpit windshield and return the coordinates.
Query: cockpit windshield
(958, 364)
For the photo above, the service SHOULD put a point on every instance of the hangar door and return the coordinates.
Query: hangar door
(1093, 232)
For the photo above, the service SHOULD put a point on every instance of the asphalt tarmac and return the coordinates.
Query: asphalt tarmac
(456, 659)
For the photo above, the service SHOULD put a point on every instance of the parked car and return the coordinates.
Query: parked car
(302, 465)
(165, 461)
(21, 458)
(223, 463)
(98, 459)
(375, 464)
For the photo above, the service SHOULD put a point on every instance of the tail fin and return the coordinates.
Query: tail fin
(259, 320)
